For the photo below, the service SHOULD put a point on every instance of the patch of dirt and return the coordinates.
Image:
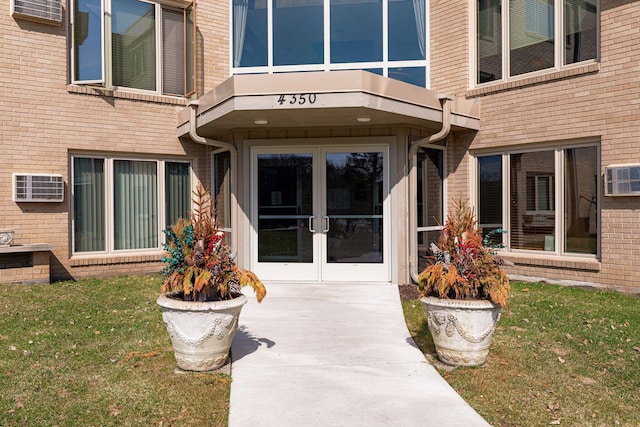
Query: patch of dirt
(408, 292)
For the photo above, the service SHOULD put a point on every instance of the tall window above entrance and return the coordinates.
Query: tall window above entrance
(385, 37)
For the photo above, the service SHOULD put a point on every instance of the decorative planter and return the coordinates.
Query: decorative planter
(461, 330)
(6, 238)
(201, 332)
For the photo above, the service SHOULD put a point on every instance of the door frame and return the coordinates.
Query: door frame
(319, 147)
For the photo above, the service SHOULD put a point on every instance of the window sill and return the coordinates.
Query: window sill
(122, 94)
(534, 80)
(552, 261)
(111, 260)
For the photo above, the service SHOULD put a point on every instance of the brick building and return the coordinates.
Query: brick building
(333, 133)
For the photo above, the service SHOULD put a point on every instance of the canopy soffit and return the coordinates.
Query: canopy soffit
(321, 99)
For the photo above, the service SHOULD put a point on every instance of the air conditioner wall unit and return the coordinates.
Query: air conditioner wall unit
(38, 188)
(45, 11)
(622, 180)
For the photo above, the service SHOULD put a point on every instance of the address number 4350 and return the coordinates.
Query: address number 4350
(298, 98)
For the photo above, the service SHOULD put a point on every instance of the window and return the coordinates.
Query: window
(533, 35)
(133, 44)
(389, 36)
(540, 193)
(122, 204)
(490, 200)
(520, 193)
(221, 190)
(431, 173)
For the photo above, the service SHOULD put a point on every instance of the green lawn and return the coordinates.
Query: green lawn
(560, 356)
(96, 352)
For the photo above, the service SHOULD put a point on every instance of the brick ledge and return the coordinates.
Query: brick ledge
(121, 94)
(534, 80)
(111, 260)
(551, 261)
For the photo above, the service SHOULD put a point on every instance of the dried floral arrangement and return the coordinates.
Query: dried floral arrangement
(199, 265)
(464, 268)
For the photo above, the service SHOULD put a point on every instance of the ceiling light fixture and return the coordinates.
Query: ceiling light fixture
(261, 121)
(364, 119)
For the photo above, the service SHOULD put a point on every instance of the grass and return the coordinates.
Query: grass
(560, 356)
(96, 352)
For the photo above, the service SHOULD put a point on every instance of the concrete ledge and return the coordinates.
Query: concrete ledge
(31, 247)
(28, 263)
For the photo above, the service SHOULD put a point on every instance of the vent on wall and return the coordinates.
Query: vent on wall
(37, 188)
(46, 11)
(622, 180)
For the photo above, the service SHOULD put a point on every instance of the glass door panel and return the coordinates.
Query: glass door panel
(353, 229)
(354, 208)
(285, 205)
(319, 214)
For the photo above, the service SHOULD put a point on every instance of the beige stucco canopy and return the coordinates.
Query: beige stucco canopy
(321, 99)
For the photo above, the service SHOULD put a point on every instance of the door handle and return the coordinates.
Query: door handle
(311, 229)
(326, 230)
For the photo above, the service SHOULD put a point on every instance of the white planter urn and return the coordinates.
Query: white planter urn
(201, 332)
(461, 330)
(6, 238)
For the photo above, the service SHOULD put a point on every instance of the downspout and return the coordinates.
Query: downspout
(413, 181)
(221, 146)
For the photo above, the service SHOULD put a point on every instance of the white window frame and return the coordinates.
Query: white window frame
(105, 45)
(550, 200)
(559, 45)
(558, 203)
(385, 64)
(109, 202)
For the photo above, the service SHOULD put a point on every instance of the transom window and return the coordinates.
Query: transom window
(133, 44)
(545, 200)
(517, 37)
(123, 204)
(387, 37)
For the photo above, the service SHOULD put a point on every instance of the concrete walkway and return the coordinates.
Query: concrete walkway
(335, 355)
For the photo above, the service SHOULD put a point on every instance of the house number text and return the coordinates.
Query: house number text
(297, 98)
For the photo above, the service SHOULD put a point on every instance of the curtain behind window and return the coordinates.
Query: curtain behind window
(173, 52)
(177, 192)
(89, 205)
(135, 204)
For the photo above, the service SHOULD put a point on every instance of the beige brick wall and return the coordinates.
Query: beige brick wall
(596, 102)
(43, 120)
(449, 46)
(213, 43)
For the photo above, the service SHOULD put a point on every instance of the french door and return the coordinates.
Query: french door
(320, 213)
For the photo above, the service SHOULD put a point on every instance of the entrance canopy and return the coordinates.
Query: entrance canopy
(321, 99)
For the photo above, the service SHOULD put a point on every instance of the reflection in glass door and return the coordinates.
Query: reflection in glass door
(285, 208)
(353, 234)
(319, 214)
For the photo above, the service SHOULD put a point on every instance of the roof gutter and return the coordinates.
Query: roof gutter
(413, 181)
(221, 147)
